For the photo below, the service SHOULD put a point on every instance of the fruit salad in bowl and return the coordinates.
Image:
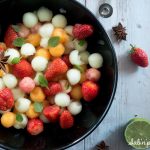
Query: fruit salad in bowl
(46, 72)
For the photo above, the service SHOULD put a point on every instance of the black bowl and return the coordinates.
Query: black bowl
(53, 137)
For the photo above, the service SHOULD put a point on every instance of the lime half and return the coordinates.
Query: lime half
(137, 133)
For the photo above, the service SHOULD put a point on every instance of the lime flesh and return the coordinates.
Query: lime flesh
(137, 133)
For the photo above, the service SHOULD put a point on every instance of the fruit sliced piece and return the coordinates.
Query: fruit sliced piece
(137, 133)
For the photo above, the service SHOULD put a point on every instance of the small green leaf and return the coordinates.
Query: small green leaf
(19, 117)
(16, 28)
(18, 42)
(42, 81)
(79, 68)
(38, 107)
(54, 41)
(81, 42)
(15, 60)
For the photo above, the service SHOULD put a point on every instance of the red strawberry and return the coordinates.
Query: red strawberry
(89, 90)
(139, 56)
(51, 113)
(6, 99)
(10, 36)
(53, 89)
(2, 46)
(82, 31)
(55, 68)
(65, 58)
(66, 120)
(23, 69)
(35, 126)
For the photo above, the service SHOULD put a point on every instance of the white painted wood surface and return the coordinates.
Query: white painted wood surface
(133, 91)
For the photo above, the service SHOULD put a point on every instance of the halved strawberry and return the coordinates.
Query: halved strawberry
(23, 69)
(35, 126)
(53, 89)
(55, 68)
(82, 31)
(66, 120)
(6, 99)
(89, 90)
(51, 113)
(10, 36)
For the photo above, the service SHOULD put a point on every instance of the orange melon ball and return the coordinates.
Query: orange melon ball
(3, 46)
(31, 112)
(8, 119)
(43, 52)
(37, 95)
(2, 72)
(57, 51)
(76, 93)
(62, 34)
(34, 39)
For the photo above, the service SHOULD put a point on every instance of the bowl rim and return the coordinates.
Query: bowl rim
(94, 126)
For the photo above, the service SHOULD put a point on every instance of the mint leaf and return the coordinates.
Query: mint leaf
(16, 28)
(79, 68)
(19, 117)
(42, 81)
(15, 60)
(18, 42)
(38, 107)
(81, 42)
(54, 41)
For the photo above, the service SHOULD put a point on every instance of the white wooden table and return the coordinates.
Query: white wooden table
(133, 91)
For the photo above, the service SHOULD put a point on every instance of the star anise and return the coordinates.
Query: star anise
(120, 32)
(102, 146)
(3, 61)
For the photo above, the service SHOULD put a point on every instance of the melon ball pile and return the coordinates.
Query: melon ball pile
(30, 98)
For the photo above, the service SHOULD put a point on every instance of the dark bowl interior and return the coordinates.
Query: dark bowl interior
(53, 137)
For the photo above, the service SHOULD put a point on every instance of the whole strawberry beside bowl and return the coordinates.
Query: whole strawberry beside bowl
(139, 56)
(54, 52)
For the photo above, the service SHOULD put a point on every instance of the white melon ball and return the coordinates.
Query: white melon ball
(12, 53)
(74, 76)
(17, 93)
(36, 79)
(46, 30)
(59, 21)
(66, 87)
(69, 30)
(44, 14)
(30, 19)
(95, 60)
(2, 84)
(74, 58)
(39, 63)
(62, 99)
(27, 49)
(10, 80)
(84, 56)
(75, 107)
(44, 42)
(21, 124)
(43, 118)
(80, 45)
(22, 104)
